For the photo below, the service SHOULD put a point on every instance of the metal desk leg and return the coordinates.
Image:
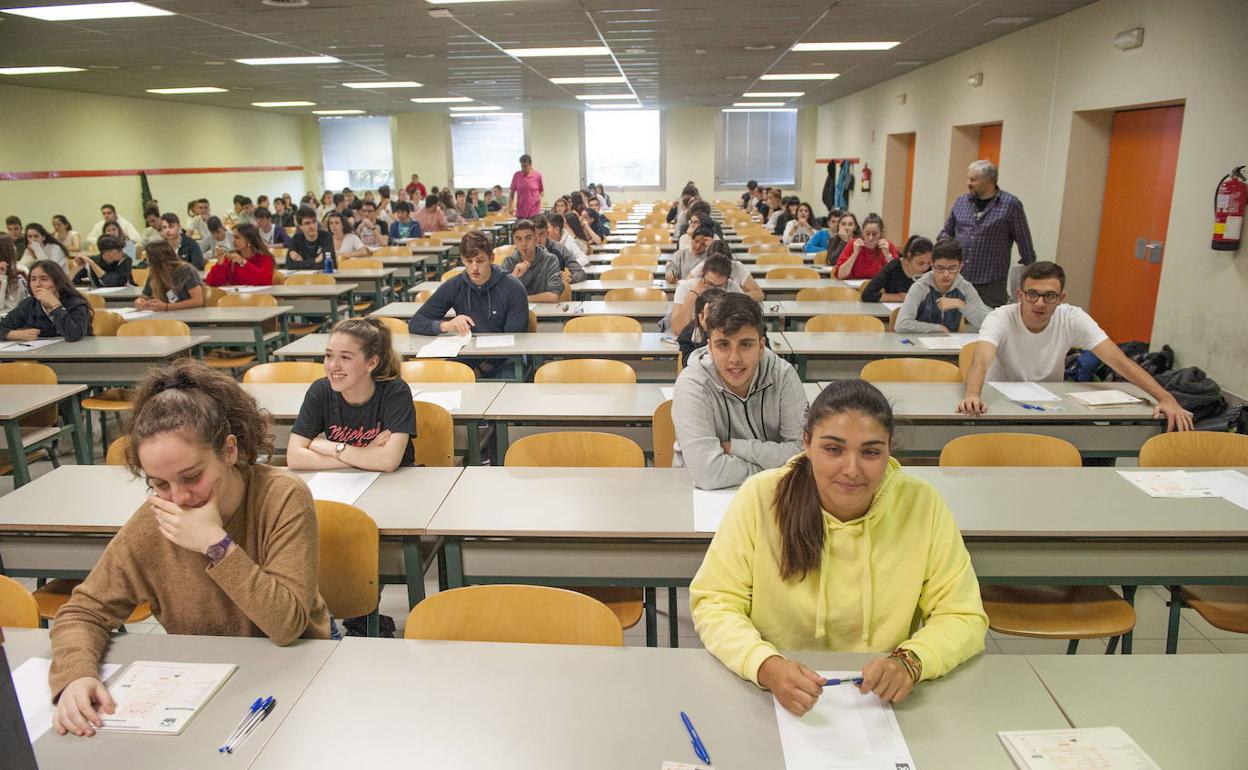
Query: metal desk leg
(1176, 617)
(414, 570)
(262, 355)
(17, 453)
(518, 362)
(673, 618)
(652, 617)
(453, 555)
(501, 441)
(82, 442)
(473, 456)
(1128, 593)
(801, 367)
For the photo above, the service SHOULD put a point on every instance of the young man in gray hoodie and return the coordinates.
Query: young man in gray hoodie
(738, 408)
(939, 299)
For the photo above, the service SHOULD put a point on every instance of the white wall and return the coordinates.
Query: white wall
(1034, 82)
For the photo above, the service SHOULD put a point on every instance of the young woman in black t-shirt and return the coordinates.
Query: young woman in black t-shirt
(360, 415)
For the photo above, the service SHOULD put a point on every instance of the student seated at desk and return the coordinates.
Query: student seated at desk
(866, 256)
(171, 283)
(111, 267)
(738, 408)
(557, 233)
(693, 336)
(360, 414)
(535, 267)
(187, 248)
(347, 245)
(939, 299)
(892, 283)
(250, 264)
(486, 299)
(53, 309)
(12, 281)
(1027, 342)
(572, 270)
(403, 225)
(683, 261)
(839, 550)
(223, 546)
(310, 245)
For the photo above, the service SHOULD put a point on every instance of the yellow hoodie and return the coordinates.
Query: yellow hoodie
(898, 576)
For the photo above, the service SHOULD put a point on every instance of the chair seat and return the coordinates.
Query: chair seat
(105, 403)
(55, 593)
(300, 330)
(223, 359)
(1224, 607)
(1057, 612)
(360, 307)
(626, 603)
(30, 437)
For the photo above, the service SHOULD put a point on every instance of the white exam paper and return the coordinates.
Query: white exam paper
(1167, 483)
(158, 697)
(496, 341)
(341, 486)
(846, 730)
(34, 696)
(106, 290)
(29, 344)
(1231, 486)
(709, 507)
(1025, 391)
(133, 314)
(1104, 398)
(944, 341)
(668, 393)
(854, 283)
(1088, 748)
(450, 400)
(443, 347)
(891, 305)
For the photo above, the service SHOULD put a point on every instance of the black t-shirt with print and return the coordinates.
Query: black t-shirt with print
(326, 411)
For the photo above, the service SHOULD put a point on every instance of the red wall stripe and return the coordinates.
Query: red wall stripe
(13, 176)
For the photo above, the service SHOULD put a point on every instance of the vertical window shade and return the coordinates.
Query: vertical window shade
(357, 152)
(623, 148)
(486, 149)
(760, 146)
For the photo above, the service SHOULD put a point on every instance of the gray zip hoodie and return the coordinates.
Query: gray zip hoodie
(764, 428)
(919, 312)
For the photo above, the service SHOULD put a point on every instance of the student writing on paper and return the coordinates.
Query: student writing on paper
(1028, 341)
(939, 300)
(53, 309)
(223, 547)
(738, 408)
(839, 550)
(171, 283)
(892, 282)
(360, 414)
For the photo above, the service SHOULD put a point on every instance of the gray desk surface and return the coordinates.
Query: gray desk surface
(405, 310)
(129, 294)
(809, 309)
(108, 349)
(221, 316)
(631, 309)
(937, 402)
(778, 285)
(551, 401)
(526, 343)
(263, 668)
(1185, 711)
(465, 704)
(20, 400)
(353, 274)
(403, 502)
(857, 345)
(283, 400)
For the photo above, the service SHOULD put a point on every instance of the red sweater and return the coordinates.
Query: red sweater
(257, 272)
(869, 262)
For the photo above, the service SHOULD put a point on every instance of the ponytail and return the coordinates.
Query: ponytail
(915, 246)
(375, 340)
(800, 517)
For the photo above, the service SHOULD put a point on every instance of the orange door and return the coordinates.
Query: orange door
(990, 143)
(1143, 153)
(905, 212)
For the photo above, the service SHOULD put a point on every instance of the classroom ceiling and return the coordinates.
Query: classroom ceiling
(686, 53)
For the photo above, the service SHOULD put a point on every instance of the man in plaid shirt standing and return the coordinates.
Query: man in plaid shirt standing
(988, 221)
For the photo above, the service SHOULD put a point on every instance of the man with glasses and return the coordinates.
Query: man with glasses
(940, 299)
(1028, 342)
(988, 221)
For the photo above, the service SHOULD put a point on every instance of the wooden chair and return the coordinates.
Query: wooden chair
(213, 295)
(636, 295)
(593, 324)
(398, 250)
(640, 248)
(516, 614)
(828, 294)
(279, 278)
(154, 327)
(754, 240)
(19, 610)
(285, 371)
(1042, 612)
(767, 248)
(116, 454)
(626, 274)
(663, 435)
(965, 356)
(226, 358)
(844, 323)
(422, 296)
(33, 373)
(138, 276)
(792, 273)
(104, 323)
(449, 274)
(633, 260)
(503, 252)
(397, 326)
(778, 259)
(585, 370)
(653, 236)
(434, 443)
(910, 370)
(311, 279)
(1223, 607)
(436, 370)
(820, 258)
(238, 299)
(360, 263)
(95, 301)
(532, 327)
(349, 561)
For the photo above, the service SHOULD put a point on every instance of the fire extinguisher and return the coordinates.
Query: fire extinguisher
(1228, 210)
(866, 178)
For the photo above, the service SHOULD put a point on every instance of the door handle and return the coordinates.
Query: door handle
(1151, 251)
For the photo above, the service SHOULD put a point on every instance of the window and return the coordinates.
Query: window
(623, 148)
(357, 153)
(757, 145)
(486, 149)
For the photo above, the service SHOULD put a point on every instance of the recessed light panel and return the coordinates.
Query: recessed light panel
(589, 80)
(774, 94)
(37, 70)
(87, 11)
(584, 50)
(881, 46)
(385, 84)
(758, 104)
(603, 97)
(337, 112)
(442, 99)
(759, 109)
(478, 108)
(802, 76)
(283, 104)
(271, 60)
(188, 90)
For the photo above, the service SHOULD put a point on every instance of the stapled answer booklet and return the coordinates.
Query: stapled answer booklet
(162, 698)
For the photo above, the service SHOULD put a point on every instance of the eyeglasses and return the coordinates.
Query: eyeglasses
(947, 270)
(1049, 297)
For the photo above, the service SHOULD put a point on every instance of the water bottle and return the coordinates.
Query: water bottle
(329, 262)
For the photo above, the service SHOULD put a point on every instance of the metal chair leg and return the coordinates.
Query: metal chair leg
(1176, 613)
(673, 618)
(1113, 645)
(1128, 593)
(652, 617)
(1072, 646)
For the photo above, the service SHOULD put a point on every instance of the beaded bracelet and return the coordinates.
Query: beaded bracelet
(908, 658)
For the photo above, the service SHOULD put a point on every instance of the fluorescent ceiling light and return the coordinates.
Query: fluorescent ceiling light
(759, 109)
(337, 112)
(38, 70)
(773, 94)
(758, 104)
(803, 76)
(572, 50)
(589, 80)
(385, 84)
(283, 104)
(289, 60)
(615, 106)
(462, 2)
(603, 97)
(442, 99)
(881, 46)
(88, 11)
(189, 90)
(477, 108)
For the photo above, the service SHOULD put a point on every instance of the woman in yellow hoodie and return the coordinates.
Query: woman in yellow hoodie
(839, 550)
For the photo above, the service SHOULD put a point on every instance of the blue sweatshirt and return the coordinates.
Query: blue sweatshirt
(501, 305)
(819, 242)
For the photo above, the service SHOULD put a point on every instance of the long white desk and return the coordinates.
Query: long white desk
(19, 401)
(841, 355)
(106, 361)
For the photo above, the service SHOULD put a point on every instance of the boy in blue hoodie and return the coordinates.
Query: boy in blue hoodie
(939, 299)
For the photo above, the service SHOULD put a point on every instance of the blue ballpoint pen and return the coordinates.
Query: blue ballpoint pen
(251, 728)
(698, 747)
(1033, 407)
(905, 341)
(849, 680)
(250, 712)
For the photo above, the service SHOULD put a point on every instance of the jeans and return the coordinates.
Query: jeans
(993, 293)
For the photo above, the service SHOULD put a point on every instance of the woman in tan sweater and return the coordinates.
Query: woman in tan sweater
(223, 547)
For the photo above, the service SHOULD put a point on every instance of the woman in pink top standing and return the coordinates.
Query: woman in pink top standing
(866, 256)
(526, 190)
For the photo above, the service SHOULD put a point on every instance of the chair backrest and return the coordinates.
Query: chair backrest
(26, 373)
(965, 356)
(583, 370)
(398, 250)
(138, 276)
(778, 259)
(651, 294)
(154, 327)
(105, 323)
(213, 295)
(236, 299)
(1007, 450)
(503, 252)
(422, 296)
(766, 248)
(434, 443)
(116, 454)
(626, 274)
(820, 258)
(94, 300)
(310, 278)
(532, 327)
(653, 236)
(592, 324)
(910, 370)
(513, 613)
(19, 610)
(350, 546)
(575, 449)
(279, 277)
(892, 319)
(436, 370)
(828, 294)
(449, 274)
(285, 371)
(753, 240)
(793, 273)
(397, 326)
(844, 323)
(627, 260)
(1198, 448)
(640, 248)
(360, 263)
(663, 435)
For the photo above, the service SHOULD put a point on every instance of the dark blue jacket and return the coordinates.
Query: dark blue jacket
(501, 305)
(72, 320)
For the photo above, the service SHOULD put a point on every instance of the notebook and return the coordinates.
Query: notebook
(162, 698)
(1095, 398)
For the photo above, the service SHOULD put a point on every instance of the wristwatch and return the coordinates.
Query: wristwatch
(338, 449)
(216, 551)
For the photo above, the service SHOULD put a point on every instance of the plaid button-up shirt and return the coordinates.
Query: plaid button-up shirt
(988, 236)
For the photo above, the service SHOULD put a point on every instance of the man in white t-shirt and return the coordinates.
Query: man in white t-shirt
(1028, 342)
